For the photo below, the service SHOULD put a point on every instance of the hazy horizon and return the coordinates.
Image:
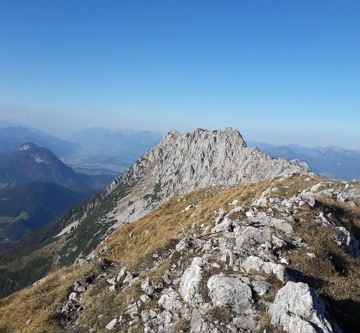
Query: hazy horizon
(68, 134)
(285, 74)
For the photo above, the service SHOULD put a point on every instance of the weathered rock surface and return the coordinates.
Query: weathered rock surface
(256, 264)
(229, 290)
(189, 284)
(298, 310)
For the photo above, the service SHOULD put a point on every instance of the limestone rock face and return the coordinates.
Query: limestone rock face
(204, 158)
(298, 310)
(180, 164)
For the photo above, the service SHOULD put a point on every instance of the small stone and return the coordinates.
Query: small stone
(110, 326)
(192, 206)
(145, 298)
(167, 277)
(121, 274)
(147, 287)
(260, 287)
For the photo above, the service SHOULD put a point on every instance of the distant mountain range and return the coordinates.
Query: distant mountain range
(12, 137)
(32, 163)
(35, 187)
(94, 151)
(99, 150)
(331, 161)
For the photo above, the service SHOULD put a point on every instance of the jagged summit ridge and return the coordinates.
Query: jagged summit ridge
(182, 163)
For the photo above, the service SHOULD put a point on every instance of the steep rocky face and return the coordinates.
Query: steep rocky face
(178, 164)
(276, 256)
(182, 163)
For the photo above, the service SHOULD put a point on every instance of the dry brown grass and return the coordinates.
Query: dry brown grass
(39, 302)
(222, 315)
(182, 327)
(102, 305)
(132, 243)
(333, 273)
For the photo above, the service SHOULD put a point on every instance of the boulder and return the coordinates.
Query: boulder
(231, 291)
(171, 301)
(251, 237)
(256, 264)
(190, 280)
(297, 309)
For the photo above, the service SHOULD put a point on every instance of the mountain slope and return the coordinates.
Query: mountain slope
(177, 165)
(32, 163)
(35, 187)
(26, 208)
(280, 255)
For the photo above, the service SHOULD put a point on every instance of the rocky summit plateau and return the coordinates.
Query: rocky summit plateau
(202, 234)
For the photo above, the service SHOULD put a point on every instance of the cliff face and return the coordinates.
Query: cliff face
(182, 163)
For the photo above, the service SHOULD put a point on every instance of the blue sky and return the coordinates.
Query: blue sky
(279, 71)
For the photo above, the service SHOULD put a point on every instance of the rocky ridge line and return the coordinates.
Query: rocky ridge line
(220, 280)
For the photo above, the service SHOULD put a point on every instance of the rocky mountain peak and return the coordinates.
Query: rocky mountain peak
(37, 154)
(200, 135)
(179, 164)
(182, 163)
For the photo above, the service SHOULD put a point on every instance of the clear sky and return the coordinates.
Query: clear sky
(279, 71)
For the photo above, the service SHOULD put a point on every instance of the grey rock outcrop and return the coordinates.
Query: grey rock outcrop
(227, 290)
(297, 309)
(220, 270)
(189, 284)
(256, 264)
